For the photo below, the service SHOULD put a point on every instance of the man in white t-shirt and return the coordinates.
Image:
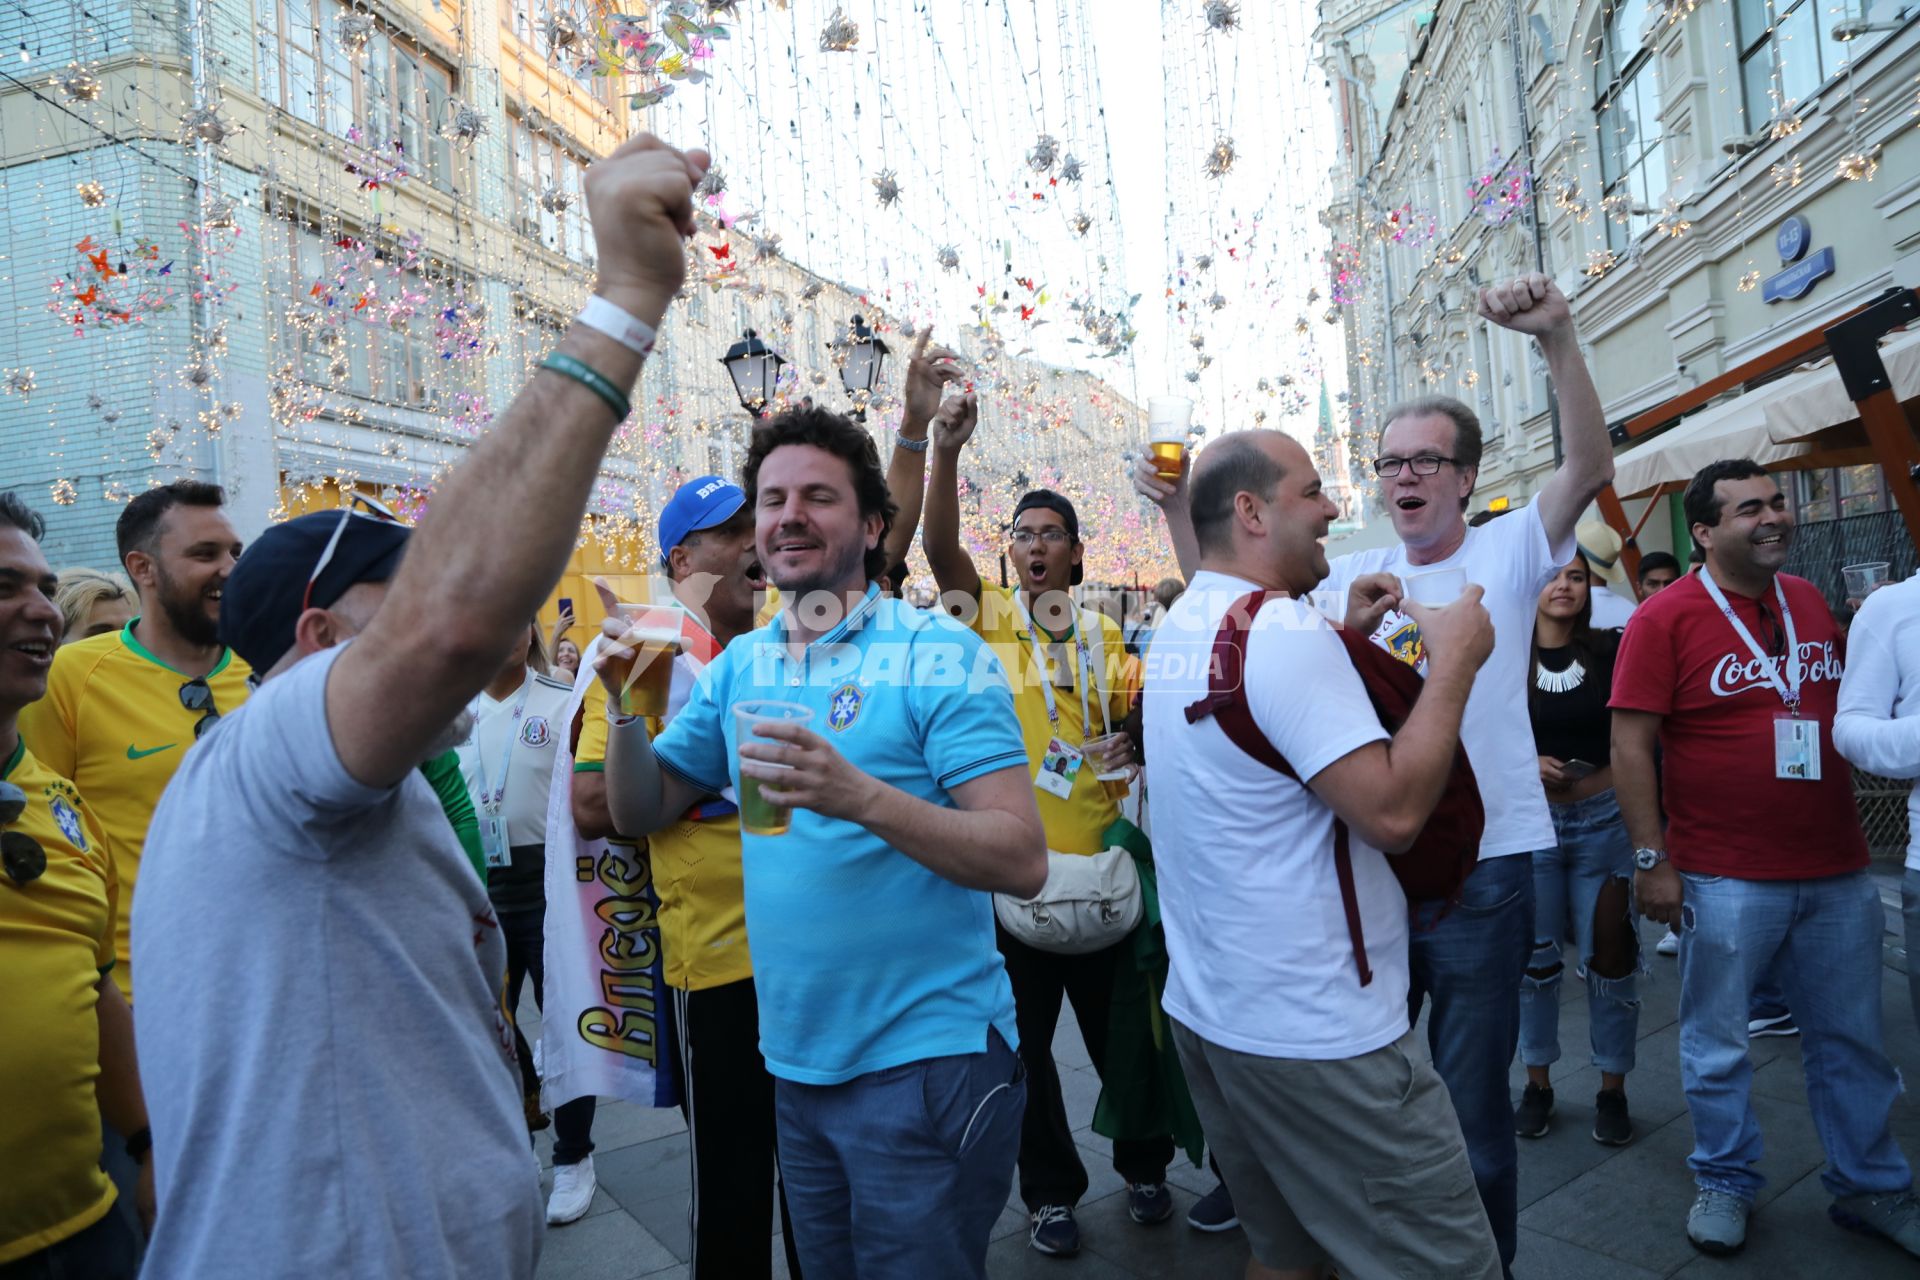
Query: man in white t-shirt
(1333, 1132)
(1468, 961)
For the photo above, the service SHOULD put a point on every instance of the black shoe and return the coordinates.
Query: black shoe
(1611, 1125)
(1530, 1117)
(1149, 1203)
(1214, 1211)
(1054, 1231)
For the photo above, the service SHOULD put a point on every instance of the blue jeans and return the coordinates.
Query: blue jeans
(1469, 964)
(1825, 937)
(1593, 848)
(902, 1173)
(1910, 916)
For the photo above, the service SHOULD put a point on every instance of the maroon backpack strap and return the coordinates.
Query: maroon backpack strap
(1226, 702)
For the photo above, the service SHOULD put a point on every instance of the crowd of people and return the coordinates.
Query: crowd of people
(321, 791)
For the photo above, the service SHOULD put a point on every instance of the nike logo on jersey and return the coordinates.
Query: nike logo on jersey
(135, 753)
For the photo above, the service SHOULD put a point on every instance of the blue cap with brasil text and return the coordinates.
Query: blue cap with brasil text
(698, 504)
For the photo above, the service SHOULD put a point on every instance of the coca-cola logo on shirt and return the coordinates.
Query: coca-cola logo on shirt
(1737, 672)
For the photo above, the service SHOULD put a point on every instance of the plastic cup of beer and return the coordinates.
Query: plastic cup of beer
(646, 671)
(1103, 752)
(1436, 588)
(1865, 578)
(759, 816)
(1167, 421)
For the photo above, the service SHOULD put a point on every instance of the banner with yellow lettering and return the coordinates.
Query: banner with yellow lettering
(607, 1028)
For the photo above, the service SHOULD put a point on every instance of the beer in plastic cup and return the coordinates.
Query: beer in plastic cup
(758, 816)
(1436, 587)
(1115, 784)
(646, 670)
(1167, 419)
(1865, 578)
(1113, 779)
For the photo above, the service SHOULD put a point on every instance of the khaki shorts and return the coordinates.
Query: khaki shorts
(1354, 1161)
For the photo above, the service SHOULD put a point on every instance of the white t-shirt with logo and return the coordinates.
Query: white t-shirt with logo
(529, 777)
(1262, 961)
(1513, 562)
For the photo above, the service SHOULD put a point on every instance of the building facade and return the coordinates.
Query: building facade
(1647, 156)
(304, 246)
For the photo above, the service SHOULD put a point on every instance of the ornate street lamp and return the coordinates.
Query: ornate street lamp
(755, 368)
(863, 354)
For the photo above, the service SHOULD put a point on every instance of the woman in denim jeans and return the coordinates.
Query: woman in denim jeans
(1582, 886)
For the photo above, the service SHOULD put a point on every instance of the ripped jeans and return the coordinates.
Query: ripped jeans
(1593, 848)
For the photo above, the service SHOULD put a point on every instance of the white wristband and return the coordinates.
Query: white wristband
(617, 323)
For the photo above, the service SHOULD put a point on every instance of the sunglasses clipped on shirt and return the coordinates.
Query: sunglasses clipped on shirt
(374, 511)
(21, 856)
(197, 695)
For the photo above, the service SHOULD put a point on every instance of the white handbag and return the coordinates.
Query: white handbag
(1090, 902)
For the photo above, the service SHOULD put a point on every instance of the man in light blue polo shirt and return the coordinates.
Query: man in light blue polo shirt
(885, 1012)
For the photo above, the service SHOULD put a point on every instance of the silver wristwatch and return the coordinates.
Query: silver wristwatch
(1648, 859)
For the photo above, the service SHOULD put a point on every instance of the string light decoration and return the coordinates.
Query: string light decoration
(206, 124)
(20, 382)
(356, 31)
(79, 85)
(91, 193)
(1219, 162)
(1081, 222)
(948, 257)
(1071, 170)
(1221, 16)
(1044, 154)
(1858, 166)
(886, 188)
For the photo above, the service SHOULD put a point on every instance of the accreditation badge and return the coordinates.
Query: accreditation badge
(1796, 749)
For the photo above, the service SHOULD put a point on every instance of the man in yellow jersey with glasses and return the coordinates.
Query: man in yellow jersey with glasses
(122, 709)
(66, 1052)
(1070, 691)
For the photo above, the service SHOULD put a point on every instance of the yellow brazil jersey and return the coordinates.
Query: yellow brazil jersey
(696, 872)
(113, 722)
(1075, 824)
(56, 939)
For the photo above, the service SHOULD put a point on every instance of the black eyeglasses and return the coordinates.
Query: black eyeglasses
(197, 695)
(20, 854)
(1425, 464)
(374, 511)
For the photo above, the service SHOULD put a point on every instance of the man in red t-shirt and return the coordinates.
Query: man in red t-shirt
(1734, 672)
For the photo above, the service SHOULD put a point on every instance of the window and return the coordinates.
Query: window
(382, 338)
(540, 164)
(1787, 51)
(389, 92)
(1633, 164)
(1836, 493)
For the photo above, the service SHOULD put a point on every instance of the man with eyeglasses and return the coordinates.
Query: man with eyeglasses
(1468, 959)
(122, 708)
(323, 969)
(1068, 669)
(66, 1054)
(1735, 673)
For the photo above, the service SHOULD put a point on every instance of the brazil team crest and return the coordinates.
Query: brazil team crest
(845, 707)
(69, 822)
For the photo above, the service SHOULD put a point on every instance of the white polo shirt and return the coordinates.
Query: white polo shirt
(1511, 560)
(1256, 928)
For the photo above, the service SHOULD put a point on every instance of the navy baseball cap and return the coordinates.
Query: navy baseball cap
(267, 591)
(696, 505)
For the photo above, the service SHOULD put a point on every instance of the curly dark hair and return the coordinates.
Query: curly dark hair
(845, 439)
(15, 513)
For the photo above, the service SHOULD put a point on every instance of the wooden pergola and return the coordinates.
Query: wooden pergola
(1883, 433)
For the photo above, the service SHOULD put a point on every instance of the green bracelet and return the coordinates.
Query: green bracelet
(590, 378)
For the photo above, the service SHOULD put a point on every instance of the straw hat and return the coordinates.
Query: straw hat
(1601, 546)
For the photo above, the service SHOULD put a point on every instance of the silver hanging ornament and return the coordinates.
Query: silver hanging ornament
(464, 125)
(1045, 153)
(65, 494)
(91, 193)
(713, 182)
(1220, 158)
(812, 290)
(1081, 223)
(1222, 15)
(766, 248)
(1217, 301)
(886, 187)
(562, 31)
(840, 34)
(554, 200)
(79, 84)
(355, 29)
(20, 382)
(1202, 262)
(1070, 170)
(948, 257)
(204, 124)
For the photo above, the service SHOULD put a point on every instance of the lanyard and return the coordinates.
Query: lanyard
(1788, 695)
(1046, 672)
(490, 800)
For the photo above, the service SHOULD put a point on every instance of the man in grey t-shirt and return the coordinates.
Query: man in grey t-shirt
(331, 1088)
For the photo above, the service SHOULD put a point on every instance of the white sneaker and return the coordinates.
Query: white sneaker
(1669, 945)
(536, 1057)
(573, 1188)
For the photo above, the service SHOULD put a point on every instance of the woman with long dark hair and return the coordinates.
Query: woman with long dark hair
(1583, 885)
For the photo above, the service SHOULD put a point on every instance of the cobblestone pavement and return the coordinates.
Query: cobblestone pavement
(1586, 1210)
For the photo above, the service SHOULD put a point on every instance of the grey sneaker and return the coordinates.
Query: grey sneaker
(1717, 1223)
(1893, 1214)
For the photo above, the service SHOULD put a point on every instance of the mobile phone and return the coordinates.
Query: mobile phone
(566, 605)
(1578, 769)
